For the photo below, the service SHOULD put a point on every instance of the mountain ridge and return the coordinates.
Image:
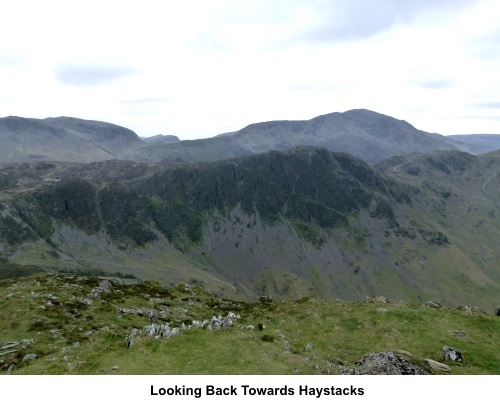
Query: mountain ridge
(365, 134)
(287, 224)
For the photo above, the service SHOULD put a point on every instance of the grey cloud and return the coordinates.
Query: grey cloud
(90, 75)
(342, 20)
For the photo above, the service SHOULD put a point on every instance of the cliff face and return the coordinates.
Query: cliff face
(302, 222)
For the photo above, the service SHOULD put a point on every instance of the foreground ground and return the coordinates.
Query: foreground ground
(67, 324)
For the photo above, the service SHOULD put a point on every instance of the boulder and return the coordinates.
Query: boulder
(30, 356)
(9, 345)
(436, 366)
(384, 363)
(450, 353)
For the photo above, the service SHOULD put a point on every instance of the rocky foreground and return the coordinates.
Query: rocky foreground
(69, 324)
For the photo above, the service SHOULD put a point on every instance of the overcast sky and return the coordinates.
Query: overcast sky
(200, 68)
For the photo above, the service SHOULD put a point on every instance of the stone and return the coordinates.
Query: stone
(8, 352)
(464, 308)
(383, 310)
(450, 353)
(436, 366)
(433, 304)
(457, 332)
(30, 356)
(9, 345)
(497, 311)
(86, 301)
(131, 337)
(308, 347)
(403, 353)
(384, 363)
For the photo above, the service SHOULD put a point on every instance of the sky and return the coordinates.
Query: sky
(196, 69)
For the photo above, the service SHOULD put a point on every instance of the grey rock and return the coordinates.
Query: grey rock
(8, 352)
(9, 345)
(436, 366)
(452, 354)
(30, 356)
(433, 304)
(464, 308)
(385, 363)
(131, 337)
(86, 301)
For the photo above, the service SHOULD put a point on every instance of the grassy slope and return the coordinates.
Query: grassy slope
(335, 329)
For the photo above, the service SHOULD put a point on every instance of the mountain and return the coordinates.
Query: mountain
(151, 140)
(477, 143)
(304, 222)
(365, 134)
(62, 138)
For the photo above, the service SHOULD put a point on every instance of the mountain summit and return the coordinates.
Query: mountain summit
(365, 134)
(62, 138)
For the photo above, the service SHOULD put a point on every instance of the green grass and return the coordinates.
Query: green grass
(75, 338)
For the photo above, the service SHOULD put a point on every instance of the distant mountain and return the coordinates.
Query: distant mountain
(160, 138)
(365, 134)
(477, 143)
(64, 139)
(287, 224)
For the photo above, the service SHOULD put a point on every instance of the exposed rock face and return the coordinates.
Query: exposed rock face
(385, 363)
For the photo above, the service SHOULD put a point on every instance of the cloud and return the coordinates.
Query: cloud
(435, 84)
(344, 20)
(90, 75)
(146, 100)
(11, 60)
(488, 104)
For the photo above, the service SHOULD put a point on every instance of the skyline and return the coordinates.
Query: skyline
(199, 69)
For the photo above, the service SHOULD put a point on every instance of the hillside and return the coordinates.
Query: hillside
(66, 324)
(63, 138)
(306, 222)
(365, 134)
